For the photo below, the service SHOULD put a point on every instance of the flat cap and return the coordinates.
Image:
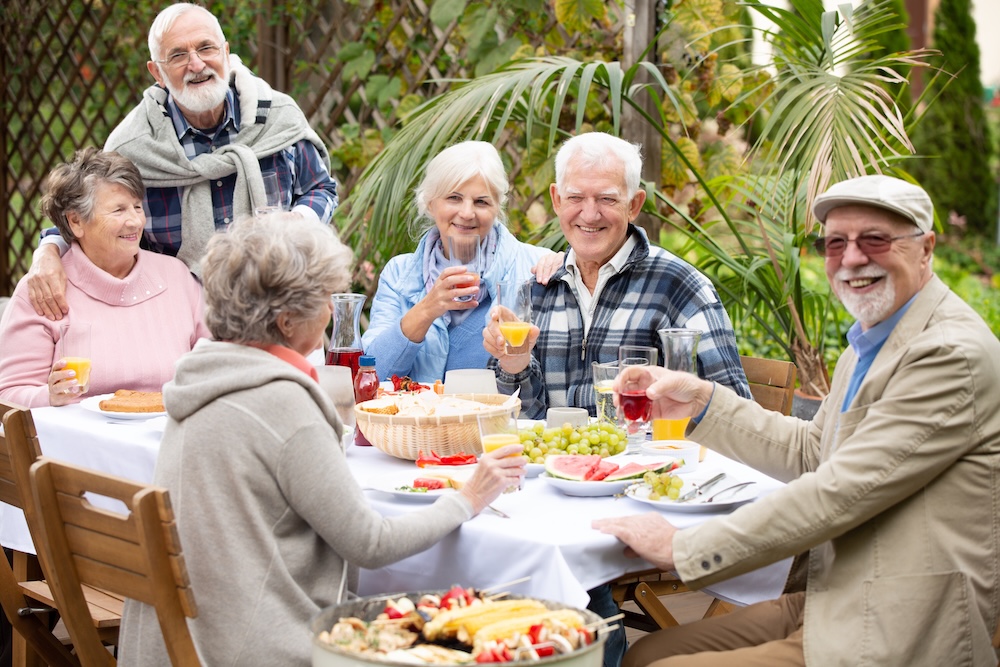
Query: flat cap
(892, 194)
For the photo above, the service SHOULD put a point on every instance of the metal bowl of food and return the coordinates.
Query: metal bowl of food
(378, 630)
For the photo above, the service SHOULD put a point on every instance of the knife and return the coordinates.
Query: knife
(697, 491)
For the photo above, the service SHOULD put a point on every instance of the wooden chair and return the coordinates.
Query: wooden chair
(29, 619)
(136, 554)
(772, 384)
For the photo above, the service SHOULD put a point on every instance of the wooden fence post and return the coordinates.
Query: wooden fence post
(640, 29)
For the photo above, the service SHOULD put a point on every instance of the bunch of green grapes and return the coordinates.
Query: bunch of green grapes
(663, 485)
(602, 438)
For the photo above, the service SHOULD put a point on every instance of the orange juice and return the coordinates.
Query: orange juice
(498, 440)
(515, 333)
(80, 366)
(670, 429)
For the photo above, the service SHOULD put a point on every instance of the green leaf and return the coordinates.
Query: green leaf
(577, 15)
(444, 12)
(360, 66)
(498, 56)
(350, 51)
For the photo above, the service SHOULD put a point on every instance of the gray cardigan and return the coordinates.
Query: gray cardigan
(268, 512)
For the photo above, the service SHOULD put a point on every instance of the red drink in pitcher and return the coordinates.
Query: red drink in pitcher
(635, 405)
(344, 356)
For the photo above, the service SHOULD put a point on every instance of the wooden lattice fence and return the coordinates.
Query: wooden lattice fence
(72, 69)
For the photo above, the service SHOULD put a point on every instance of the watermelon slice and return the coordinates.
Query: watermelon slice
(429, 483)
(602, 471)
(575, 467)
(637, 470)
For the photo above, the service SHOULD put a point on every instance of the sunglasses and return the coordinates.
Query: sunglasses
(869, 244)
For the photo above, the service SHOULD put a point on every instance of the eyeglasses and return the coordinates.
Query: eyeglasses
(870, 244)
(181, 59)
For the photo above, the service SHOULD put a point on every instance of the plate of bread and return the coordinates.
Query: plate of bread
(126, 404)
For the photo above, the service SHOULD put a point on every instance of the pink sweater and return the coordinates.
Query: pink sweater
(140, 326)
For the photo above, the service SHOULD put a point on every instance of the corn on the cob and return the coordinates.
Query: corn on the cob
(466, 621)
(554, 619)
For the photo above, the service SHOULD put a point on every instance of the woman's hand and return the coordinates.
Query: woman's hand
(439, 300)
(547, 266)
(494, 343)
(495, 471)
(63, 385)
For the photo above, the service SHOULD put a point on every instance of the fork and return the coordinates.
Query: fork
(734, 487)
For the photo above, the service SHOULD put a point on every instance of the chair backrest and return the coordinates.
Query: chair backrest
(136, 553)
(19, 434)
(772, 382)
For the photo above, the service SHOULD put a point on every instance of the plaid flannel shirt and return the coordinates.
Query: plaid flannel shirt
(302, 177)
(654, 290)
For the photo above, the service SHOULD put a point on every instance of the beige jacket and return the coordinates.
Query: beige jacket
(897, 497)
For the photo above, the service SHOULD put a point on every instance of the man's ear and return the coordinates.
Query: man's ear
(635, 205)
(556, 199)
(154, 70)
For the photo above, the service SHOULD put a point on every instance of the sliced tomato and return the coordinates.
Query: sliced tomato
(459, 459)
(428, 483)
(424, 460)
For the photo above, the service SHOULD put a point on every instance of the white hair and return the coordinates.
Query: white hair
(456, 165)
(165, 20)
(596, 149)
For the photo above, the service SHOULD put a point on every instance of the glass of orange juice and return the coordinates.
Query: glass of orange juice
(514, 302)
(74, 349)
(499, 430)
(680, 353)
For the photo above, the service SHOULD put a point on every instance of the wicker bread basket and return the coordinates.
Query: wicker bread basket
(408, 437)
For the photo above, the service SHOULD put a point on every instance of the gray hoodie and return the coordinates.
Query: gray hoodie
(268, 512)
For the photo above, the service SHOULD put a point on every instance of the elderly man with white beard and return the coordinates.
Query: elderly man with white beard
(893, 488)
(202, 138)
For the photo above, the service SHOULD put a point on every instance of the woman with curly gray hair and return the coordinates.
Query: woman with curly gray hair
(268, 512)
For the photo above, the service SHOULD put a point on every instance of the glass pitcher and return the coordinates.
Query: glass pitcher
(345, 339)
(680, 353)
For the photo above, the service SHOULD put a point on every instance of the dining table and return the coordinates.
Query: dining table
(545, 542)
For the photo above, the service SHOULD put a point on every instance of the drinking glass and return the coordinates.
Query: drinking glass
(272, 193)
(635, 405)
(466, 250)
(499, 430)
(680, 352)
(514, 302)
(604, 380)
(74, 349)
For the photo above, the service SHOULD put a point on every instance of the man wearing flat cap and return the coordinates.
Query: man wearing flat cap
(893, 488)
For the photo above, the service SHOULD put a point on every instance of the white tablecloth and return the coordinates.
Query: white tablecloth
(548, 537)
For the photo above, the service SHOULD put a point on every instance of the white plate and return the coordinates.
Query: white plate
(640, 493)
(392, 484)
(93, 403)
(587, 489)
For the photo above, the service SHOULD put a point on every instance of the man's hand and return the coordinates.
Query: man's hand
(648, 536)
(674, 394)
(494, 343)
(46, 282)
(547, 266)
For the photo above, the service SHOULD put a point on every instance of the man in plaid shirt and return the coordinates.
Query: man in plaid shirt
(203, 138)
(614, 288)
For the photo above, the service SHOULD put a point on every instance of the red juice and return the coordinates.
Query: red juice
(344, 356)
(365, 389)
(635, 405)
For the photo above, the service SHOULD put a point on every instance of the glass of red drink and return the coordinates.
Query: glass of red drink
(466, 250)
(635, 405)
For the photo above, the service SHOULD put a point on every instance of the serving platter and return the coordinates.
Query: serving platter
(93, 404)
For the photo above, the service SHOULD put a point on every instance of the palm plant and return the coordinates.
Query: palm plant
(829, 118)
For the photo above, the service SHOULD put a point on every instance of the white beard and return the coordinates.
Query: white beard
(871, 308)
(206, 96)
